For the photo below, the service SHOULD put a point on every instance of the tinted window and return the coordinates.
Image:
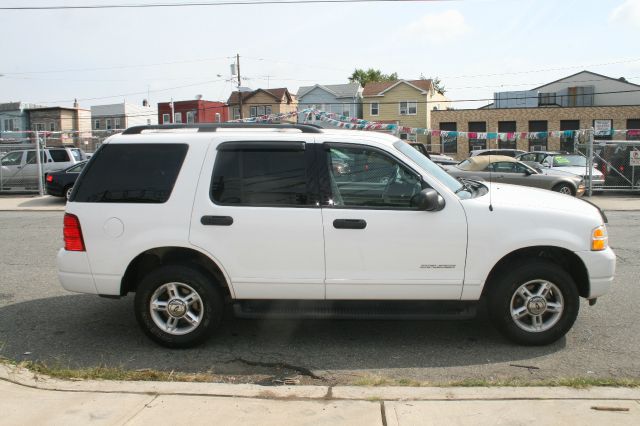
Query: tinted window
(363, 177)
(59, 155)
(76, 154)
(131, 173)
(256, 175)
(77, 168)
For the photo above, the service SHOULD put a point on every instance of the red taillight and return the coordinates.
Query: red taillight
(49, 178)
(621, 168)
(72, 233)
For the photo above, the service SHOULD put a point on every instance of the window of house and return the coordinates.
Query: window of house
(38, 127)
(191, 117)
(117, 123)
(449, 143)
(96, 124)
(52, 127)
(166, 118)
(345, 112)
(507, 127)
(567, 143)
(236, 113)
(478, 127)
(408, 108)
(546, 99)
(254, 175)
(370, 179)
(580, 96)
(374, 108)
(633, 129)
(538, 143)
(9, 125)
(177, 117)
(257, 111)
(108, 124)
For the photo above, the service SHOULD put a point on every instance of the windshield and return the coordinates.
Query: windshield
(569, 160)
(432, 168)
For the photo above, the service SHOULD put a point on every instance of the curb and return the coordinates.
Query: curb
(23, 377)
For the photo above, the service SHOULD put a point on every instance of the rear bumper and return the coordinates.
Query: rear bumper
(74, 272)
(601, 267)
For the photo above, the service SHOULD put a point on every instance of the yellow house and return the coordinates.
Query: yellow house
(407, 103)
(262, 102)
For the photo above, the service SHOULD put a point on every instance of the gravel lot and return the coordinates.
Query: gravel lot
(40, 321)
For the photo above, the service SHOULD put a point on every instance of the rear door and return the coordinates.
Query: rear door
(257, 213)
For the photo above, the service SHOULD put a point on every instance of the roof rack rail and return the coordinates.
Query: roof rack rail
(212, 127)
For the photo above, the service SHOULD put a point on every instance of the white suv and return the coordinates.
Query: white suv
(292, 219)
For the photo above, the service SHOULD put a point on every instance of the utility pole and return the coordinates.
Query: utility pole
(239, 83)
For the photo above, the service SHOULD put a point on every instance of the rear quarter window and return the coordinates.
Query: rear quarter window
(59, 155)
(131, 173)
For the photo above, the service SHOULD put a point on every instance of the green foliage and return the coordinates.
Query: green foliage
(367, 76)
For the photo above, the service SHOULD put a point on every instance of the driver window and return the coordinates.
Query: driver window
(12, 159)
(364, 177)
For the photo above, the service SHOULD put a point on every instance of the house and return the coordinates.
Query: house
(14, 121)
(122, 115)
(192, 111)
(262, 102)
(342, 99)
(70, 125)
(408, 103)
(579, 101)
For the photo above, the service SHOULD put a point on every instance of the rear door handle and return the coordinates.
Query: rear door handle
(216, 220)
(349, 224)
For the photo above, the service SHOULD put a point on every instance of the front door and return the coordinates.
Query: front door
(257, 212)
(377, 244)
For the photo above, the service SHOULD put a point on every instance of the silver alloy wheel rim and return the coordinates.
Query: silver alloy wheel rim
(176, 308)
(565, 190)
(537, 306)
(68, 193)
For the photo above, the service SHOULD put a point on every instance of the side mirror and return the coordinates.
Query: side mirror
(528, 172)
(428, 200)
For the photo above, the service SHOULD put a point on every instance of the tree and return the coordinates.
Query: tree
(363, 77)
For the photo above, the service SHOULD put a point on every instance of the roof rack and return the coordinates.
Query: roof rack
(212, 127)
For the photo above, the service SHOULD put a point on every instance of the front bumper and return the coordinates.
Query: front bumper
(601, 267)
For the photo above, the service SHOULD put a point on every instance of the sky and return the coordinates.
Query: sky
(476, 47)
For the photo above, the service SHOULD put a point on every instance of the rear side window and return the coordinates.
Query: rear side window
(260, 174)
(76, 154)
(59, 155)
(131, 173)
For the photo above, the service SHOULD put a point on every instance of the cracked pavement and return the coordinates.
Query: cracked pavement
(40, 321)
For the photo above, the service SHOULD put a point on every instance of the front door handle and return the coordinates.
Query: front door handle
(216, 220)
(349, 224)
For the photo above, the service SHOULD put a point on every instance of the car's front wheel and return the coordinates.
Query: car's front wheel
(178, 306)
(564, 188)
(534, 303)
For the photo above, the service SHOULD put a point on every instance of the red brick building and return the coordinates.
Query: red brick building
(193, 111)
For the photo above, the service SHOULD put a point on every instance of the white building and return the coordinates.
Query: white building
(122, 115)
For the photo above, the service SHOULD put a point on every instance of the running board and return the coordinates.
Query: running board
(330, 309)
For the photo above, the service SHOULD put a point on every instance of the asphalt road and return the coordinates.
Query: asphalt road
(40, 321)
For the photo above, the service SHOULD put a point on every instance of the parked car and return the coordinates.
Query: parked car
(500, 151)
(575, 164)
(436, 157)
(20, 168)
(60, 183)
(500, 168)
(192, 221)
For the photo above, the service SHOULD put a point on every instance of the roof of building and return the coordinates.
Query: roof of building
(602, 77)
(57, 107)
(278, 94)
(379, 87)
(348, 90)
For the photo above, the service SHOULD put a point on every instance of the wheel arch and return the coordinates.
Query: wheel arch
(153, 258)
(566, 259)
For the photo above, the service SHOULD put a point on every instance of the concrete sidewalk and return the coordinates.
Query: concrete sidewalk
(48, 203)
(30, 399)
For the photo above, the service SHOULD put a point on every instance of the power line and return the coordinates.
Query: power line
(204, 4)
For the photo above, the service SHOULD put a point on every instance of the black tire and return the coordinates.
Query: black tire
(565, 188)
(210, 305)
(66, 192)
(504, 287)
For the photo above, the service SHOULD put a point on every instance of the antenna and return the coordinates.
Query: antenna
(491, 174)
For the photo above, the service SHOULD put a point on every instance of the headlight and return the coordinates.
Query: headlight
(599, 239)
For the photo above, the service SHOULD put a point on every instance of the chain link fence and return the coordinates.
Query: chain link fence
(23, 170)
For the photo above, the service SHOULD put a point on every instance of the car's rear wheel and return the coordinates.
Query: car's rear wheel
(67, 192)
(564, 188)
(178, 306)
(534, 303)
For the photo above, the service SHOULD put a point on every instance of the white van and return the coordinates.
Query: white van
(19, 169)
